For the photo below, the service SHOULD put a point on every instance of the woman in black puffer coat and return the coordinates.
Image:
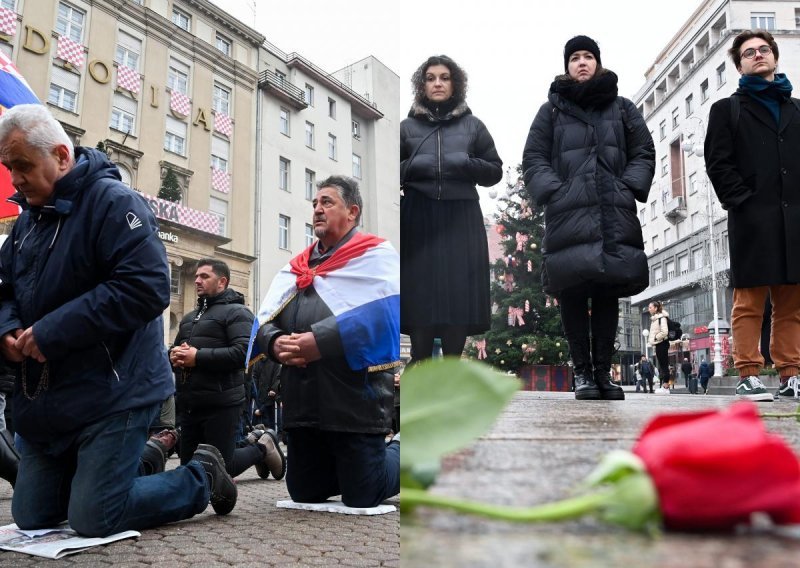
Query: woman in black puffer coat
(588, 158)
(445, 151)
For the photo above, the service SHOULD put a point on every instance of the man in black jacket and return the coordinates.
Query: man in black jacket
(208, 357)
(751, 154)
(337, 379)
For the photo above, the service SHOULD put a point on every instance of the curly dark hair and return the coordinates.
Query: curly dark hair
(457, 75)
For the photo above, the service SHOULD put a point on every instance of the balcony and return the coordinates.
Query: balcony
(282, 89)
(675, 210)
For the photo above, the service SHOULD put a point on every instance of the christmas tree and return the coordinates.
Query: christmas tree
(170, 189)
(526, 323)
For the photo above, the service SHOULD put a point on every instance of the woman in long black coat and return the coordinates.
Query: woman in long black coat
(588, 158)
(445, 151)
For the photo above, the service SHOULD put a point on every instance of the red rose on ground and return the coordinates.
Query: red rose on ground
(712, 470)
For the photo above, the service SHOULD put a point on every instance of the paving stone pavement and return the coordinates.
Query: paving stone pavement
(255, 534)
(541, 448)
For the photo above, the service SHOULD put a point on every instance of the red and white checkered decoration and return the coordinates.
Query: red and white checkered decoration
(128, 79)
(223, 124)
(8, 22)
(180, 103)
(70, 51)
(220, 180)
(176, 213)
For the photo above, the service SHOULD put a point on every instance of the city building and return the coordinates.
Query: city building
(167, 88)
(691, 72)
(313, 124)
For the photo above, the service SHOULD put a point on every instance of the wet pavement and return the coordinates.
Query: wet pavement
(544, 444)
(255, 534)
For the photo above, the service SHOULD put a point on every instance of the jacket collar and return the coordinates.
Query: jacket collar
(761, 113)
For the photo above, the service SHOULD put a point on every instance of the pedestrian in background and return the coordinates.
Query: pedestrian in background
(588, 158)
(704, 373)
(445, 151)
(659, 338)
(686, 369)
(751, 150)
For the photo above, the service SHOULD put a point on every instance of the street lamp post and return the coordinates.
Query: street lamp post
(698, 150)
(645, 334)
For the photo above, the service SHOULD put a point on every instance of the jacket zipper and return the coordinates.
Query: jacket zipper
(439, 158)
(110, 360)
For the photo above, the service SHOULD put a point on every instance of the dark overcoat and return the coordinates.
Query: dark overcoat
(754, 167)
(588, 168)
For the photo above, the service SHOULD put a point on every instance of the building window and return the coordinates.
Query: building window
(652, 210)
(128, 50)
(181, 20)
(311, 180)
(662, 129)
(683, 263)
(667, 236)
(675, 117)
(720, 75)
(223, 44)
(123, 113)
(642, 219)
(283, 174)
(220, 153)
(175, 280)
(280, 76)
(697, 258)
(693, 183)
(669, 268)
(689, 105)
(178, 77)
(309, 135)
(175, 136)
(219, 208)
(762, 20)
(70, 22)
(693, 220)
(309, 95)
(356, 127)
(7, 4)
(797, 18)
(283, 231)
(664, 166)
(284, 121)
(704, 91)
(221, 100)
(655, 248)
(331, 146)
(332, 108)
(309, 235)
(356, 166)
(64, 87)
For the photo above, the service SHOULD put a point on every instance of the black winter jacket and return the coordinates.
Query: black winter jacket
(90, 274)
(220, 330)
(756, 176)
(587, 168)
(456, 154)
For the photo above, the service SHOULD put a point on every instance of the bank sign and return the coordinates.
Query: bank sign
(176, 213)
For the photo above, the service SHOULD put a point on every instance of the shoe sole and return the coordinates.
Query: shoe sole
(612, 395)
(274, 438)
(221, 506)
(587, 395)
(759, 397)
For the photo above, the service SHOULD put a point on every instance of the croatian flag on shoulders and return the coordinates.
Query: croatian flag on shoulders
(360, 284)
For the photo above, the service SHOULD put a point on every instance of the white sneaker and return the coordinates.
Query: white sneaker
(751, 388)
(662, 390)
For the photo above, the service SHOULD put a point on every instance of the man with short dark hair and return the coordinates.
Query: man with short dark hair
(84, 282)
(331, 318)
(686, 369)
(751, 151)
(646, 371)
(208, 357)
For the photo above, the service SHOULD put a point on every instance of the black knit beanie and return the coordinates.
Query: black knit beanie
(579, 43)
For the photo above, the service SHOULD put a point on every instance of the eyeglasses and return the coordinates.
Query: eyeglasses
(750, 53)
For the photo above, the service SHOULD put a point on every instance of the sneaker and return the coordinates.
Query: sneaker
(223, 489)
(662, 390)
(255, 435)
(788, 388)
(751, 388)
(274, 460)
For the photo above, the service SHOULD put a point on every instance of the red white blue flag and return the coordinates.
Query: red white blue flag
(14, 90)
(360, 284)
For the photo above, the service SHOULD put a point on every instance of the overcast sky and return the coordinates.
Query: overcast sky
(511, 49)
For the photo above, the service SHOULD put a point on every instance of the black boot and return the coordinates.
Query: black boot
(602, 350)
(9, 458)
(585, 387)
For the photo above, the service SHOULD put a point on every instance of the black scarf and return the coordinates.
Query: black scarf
(440, 110)
(596, 93)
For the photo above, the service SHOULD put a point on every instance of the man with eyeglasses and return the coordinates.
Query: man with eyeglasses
(751, 152)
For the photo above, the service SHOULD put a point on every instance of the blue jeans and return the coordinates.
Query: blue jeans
(96, 485)
(360, 467)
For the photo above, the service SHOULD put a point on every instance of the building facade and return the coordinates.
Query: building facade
(163, 87)
(314, 124)
(689, 75)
